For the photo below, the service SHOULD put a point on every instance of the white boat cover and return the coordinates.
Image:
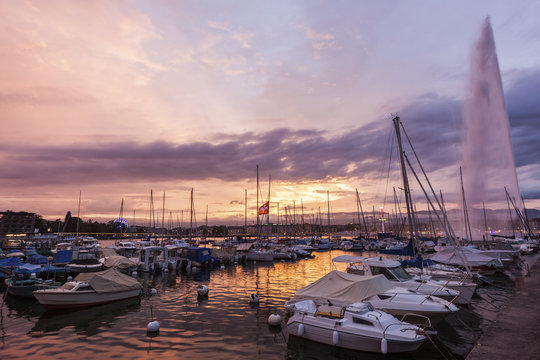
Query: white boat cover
(244, 246)
(108, 252)
(119, 262)
(343, 287)
(473, 257)
(110, 280)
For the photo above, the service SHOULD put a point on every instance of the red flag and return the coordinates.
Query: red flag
(263, 210)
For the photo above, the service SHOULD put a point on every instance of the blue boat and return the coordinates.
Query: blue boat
(197, 256)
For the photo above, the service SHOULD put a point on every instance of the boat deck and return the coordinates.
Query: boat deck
(515, 332)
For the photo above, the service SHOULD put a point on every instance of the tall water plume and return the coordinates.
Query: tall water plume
(488, 161)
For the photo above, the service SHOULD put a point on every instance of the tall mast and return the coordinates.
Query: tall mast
(257, 208)
(163, 214)
(485, 223)
(303, 222)
(404, 175)
(245, 214)
(191, 215)
(328, 201)
(466, 221)
(206, 220)
(268, 215)
(79, 212)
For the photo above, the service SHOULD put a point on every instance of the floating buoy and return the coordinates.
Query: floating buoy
(134, 274)
(335, 337)
(153, 291)
(152, 326)
(253, 298)
(384, 346)
(301, 330)
(274, 320)
(202, 290)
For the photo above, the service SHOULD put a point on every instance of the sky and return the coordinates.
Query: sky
(113, 99)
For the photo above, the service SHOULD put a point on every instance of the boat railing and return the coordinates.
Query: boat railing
(427, 321)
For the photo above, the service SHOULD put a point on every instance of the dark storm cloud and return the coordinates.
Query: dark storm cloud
(432, 123)
(523, 104)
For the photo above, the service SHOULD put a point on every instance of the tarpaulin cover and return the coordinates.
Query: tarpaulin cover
(10, 262)
(62, 257)
(344, 287)
(119, 262)
(473, 258)
(110, 280)
(28, 269)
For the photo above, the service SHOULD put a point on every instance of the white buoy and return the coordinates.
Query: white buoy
(335, 337)
(384, 346)
(134, 274)
(274, 320)
(253, 298)
(152, 326)
(69, 278)
(301, 330)
(153, 291)
(194, 269)
(202, 290)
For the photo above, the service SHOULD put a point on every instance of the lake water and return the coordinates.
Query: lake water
(223, 326)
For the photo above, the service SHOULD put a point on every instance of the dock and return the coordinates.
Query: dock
(515, 333)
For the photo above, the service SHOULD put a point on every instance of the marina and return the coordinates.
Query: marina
(273, 180)
(223, 322)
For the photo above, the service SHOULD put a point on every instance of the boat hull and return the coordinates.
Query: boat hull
(67, 300)
(347, 339)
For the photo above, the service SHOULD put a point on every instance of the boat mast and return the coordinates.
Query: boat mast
(79, 212)
(245, 214)
(303, 222)
(206, 221)
(268, 214)
(328, 200)
(257, 211)
(163, 215)
(485, 223)
(466, 221)
(191, 216)
(404, 175)
(359, 205)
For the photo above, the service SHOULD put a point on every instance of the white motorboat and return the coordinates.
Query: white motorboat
(90, 289)
(343, 289)
(84, 263)
(152, 258)
(357, 326)
(394, 272)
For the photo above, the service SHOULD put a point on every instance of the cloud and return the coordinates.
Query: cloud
(319, 41)
(432, 123)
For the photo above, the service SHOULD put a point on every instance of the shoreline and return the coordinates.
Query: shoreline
(514, 333)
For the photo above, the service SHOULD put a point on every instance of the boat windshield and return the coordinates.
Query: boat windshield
(68, 286)
(400, 273)
(394, 273)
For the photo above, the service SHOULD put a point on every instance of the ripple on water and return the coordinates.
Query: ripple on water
(221, 325)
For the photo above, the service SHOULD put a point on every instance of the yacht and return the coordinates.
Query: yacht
(394, 272)
(357, 326)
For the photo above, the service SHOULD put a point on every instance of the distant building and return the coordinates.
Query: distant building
(21, 222)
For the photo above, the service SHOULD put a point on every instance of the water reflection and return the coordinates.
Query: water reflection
(223, 324)
(88, 322)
